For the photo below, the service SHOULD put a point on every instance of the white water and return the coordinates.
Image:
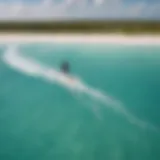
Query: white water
(32, 68)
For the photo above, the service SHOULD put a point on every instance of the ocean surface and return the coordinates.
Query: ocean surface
(111, 112)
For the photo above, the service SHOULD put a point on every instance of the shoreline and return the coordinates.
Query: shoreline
(80, 38)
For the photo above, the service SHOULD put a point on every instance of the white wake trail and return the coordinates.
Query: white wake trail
(30, 67)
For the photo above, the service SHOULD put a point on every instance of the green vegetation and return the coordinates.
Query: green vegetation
(128, 27)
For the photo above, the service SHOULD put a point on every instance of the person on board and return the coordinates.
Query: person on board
(65, 67)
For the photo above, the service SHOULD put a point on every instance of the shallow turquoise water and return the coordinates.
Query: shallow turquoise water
(44, 120)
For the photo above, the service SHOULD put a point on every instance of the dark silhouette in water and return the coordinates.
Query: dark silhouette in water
(65, 67)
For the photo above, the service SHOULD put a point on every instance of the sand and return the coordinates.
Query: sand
(80, 38)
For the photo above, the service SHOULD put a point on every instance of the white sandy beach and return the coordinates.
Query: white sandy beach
(80, 38)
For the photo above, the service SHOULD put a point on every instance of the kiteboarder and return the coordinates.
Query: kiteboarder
(65, 67)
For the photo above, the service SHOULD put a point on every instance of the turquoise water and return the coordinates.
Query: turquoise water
(117, 118)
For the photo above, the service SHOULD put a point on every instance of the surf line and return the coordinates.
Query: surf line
(27, 66)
